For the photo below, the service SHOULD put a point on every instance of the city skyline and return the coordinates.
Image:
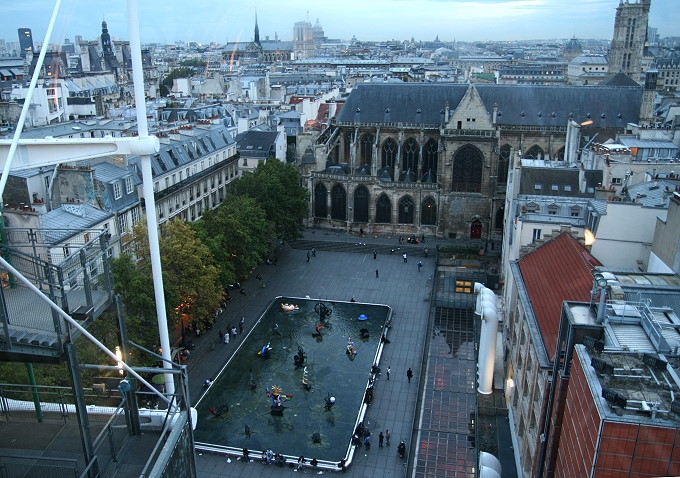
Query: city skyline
(449, 20)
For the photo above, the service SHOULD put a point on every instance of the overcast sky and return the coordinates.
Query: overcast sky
(205, 21)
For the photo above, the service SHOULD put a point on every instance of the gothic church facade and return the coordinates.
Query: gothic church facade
(433, 159)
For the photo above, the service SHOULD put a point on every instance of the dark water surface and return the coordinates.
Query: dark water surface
(329, 370)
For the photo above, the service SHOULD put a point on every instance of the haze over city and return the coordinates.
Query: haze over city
(209, 21)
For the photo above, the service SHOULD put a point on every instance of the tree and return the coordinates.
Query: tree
(275, 186)
(190, 277)
(238, 234)
(184, 72)
(190, 272)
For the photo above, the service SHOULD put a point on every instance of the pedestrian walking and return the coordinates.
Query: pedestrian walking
(233, 332)
(313, 251)
(221, 334)
(376, 274)
(367, 442)
(405, 258)
(387, 437)
(308, 256)
(226, 338)
(381, 437)
(409, 374)
(420, 266)
(375, 254)
(388, 373)
(242, 324)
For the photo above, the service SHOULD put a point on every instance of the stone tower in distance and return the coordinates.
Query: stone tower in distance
(630, 37)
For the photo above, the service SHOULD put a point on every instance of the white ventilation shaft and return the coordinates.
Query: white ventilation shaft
(486, 309)
(489, 466)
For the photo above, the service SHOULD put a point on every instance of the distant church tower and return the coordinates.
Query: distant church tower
(107, 48)
(630, 36)
(257, 33)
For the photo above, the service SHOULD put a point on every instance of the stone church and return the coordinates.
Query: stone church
(433, 159)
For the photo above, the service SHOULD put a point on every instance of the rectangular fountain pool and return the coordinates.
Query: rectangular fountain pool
(236, 411)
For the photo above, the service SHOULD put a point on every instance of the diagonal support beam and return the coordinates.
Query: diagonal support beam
(35, 153)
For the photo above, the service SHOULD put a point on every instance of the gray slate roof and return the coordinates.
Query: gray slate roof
(179, 153)
(517, 104)
(66, 224)
(653, 194)
(256, 144)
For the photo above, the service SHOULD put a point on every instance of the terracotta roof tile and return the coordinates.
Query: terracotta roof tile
(559, 270)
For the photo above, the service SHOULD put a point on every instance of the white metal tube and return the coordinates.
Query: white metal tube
(487, 341)
(27, 101)
(82, 330)
(147, 187)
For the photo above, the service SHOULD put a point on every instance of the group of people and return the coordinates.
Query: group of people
(271, 458)
(231, 330)
(362, 436)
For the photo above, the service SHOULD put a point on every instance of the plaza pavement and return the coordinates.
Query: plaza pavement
(343, 268)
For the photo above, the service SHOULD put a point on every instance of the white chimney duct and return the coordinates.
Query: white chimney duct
(486, 308)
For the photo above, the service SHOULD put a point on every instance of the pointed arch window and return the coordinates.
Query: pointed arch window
(383, 210)
(406, 207)
(430, 156)
(339, 202)
(410, 155)
(503, 163)
(389, 153)
(535, 152)
(366, 150)
(361, 197)
(347, 147)
(320, 207)
(428, 213)
(467, 169)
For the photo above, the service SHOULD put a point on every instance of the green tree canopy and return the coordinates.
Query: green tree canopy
(189, 269)
(190, 277)
(184, 72)
(275, 186)
(238, 234)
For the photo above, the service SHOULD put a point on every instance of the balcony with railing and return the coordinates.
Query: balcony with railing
(75, 276)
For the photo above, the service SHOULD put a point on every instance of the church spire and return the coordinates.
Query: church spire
(257, 32)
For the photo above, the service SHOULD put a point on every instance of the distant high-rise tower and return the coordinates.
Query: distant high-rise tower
(25, 41)
(630, 36)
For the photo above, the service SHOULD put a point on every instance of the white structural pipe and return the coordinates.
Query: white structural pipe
(27, 101)
(486, 308)
(147, 180)
(45, 152)
(82, 330)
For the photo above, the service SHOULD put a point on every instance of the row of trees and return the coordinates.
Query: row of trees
(199, 260)
(202, 258)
